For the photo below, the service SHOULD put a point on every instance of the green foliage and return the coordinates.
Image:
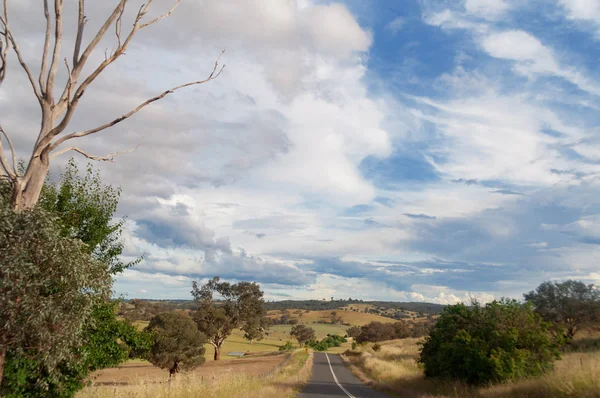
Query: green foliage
(354, 345)
(302, 333)
(570, 304)
(376, 347)
(49, 287)
(286, 347)
(86, 208)
(503, 340)
(329, 341)
(242, 304)
(177, 342)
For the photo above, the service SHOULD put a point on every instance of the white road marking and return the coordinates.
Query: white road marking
(336, 380)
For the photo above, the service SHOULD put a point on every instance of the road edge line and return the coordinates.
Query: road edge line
(336, 379)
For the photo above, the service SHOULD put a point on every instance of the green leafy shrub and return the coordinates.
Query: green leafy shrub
(286, 347)
(503, 340)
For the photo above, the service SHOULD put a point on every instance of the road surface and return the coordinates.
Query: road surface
(331, 378)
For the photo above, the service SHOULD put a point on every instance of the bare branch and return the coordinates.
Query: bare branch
(10, 172)
(162, 16)
(80, 25)
(15, 47)
(213, 75)
(119, 25)
(78, 66)
(43, 69)
(70, 81)
(58, 6)
(108, 158)
(4, 43)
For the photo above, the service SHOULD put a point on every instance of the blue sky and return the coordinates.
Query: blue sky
(393, 150)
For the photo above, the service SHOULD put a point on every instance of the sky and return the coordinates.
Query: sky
(414, 150)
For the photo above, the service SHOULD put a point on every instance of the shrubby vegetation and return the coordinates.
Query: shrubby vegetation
(502, 340)
(49, 288)
(328, 342)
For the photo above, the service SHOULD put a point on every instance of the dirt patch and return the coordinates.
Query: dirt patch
(134, 373)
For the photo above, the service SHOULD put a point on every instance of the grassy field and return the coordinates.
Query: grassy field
(285, 382)
(394, 369)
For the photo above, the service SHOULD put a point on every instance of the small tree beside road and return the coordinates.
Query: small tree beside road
(303, 333)
(177, 343)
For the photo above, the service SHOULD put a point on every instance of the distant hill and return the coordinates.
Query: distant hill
(384, 308)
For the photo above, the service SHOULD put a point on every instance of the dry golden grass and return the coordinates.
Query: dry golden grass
(131, 372)
(394, 369)
(283, 383)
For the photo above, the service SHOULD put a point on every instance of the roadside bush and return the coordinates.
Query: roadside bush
(503, 340)
(286, 347)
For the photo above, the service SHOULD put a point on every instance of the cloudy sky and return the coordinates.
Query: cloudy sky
(415, 150)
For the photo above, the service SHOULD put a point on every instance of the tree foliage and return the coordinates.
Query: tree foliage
(570, 304)
(240, 304)
(177, 343)
(502, 340)
(302, 333)
(49, 287)
(83, 208)
(86, 208)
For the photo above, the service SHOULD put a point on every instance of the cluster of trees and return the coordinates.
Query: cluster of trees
(507, 339)
(379, 331)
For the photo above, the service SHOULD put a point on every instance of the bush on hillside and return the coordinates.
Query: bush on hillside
(503, 340)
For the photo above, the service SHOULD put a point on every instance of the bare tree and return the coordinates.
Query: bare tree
(57, 111)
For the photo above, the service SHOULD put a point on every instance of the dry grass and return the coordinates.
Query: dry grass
(131, 372)
(283, 383)
(394, 369)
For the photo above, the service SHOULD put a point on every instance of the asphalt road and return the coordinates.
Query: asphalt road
(331, 378)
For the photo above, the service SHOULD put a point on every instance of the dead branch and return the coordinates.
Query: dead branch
(80, 25)
(119, 25)
(108, 158)
(162, 16)
(58, 6)
(43, 69)
(212, 76)
(10, 172)
(4, 44)
(11, 39)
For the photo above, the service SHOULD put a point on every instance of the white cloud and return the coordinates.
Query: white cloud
(583, 10)
(488, 9)
(396, 25)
